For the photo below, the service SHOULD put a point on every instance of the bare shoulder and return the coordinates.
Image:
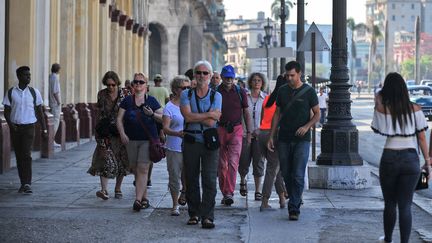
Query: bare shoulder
(416, 107)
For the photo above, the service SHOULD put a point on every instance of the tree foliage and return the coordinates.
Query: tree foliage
(408, 67)
(276, 9)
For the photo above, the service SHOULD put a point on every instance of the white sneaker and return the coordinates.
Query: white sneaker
(381, 240)
(57, 145)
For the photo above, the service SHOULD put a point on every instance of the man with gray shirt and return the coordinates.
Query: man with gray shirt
(54, 96)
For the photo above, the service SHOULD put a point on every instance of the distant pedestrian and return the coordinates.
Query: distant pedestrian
(322, 100)
(54, 94)
(23, 108)
(201, 108)
(294, 104)
(138, 112)
(272, 172)
(110, 159)
(234, 112)
(251, 152)
(128, 85)
(173, 121)
(404, 125)
(190, 74)
(359, 87)
(215, 80)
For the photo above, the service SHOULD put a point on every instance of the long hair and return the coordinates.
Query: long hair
(395, 98)
(279, 82)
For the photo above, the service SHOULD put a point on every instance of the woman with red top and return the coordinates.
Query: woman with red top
(272, 170)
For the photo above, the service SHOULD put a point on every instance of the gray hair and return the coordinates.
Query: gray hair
(204, 63)
(178, 81)
(261, 76)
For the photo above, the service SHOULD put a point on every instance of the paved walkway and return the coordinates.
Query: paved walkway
(64, 208)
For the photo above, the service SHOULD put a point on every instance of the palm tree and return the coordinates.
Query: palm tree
(375, 36)
(276, 6)
(353, 27)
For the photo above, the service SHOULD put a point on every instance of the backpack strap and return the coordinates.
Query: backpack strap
(237, 89)
(10, 96)
(32, 91)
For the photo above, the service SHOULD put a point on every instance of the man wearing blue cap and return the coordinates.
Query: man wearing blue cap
(230, 130)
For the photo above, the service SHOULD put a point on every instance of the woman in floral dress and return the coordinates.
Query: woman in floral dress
(110, 157)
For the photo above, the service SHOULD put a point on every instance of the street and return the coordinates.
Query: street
(64, 208)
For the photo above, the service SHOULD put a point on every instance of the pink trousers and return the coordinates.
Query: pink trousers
(229, 156)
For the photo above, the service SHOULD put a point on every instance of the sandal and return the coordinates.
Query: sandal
(258, 196)
(145, 203)
(193, 220)
(207, 224)
(182, 199)
(137, 205)
(118, 194)
(175, 211)
(102, 194)
(243, 189)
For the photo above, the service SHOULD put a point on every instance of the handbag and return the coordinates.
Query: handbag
(423, 181)
(156, 149)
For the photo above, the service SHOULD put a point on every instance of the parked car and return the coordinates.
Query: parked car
(410, 82)
(427, 82)
(422, 95)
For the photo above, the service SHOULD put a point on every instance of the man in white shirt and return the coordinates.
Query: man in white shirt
(54, 96)
(322, 100)
(23, 108)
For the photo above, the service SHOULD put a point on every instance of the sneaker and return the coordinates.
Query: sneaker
(228, 200)
(27, 189)
(149, 184)
(293, 216)
(381, 240)
(175, 211)
(102, 194)
(21, 189)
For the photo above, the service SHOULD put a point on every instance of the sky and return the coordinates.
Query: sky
(318, 11)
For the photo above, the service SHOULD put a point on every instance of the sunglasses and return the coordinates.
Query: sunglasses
(201, 72)
(111, 85)
(139, 82)
(183, 88)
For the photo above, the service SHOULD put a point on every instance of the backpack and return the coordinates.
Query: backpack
(237, 88)
(212, 95)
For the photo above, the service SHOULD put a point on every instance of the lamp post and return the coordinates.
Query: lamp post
(267, 40)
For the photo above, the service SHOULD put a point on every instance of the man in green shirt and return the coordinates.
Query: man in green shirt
(159, 92)
(294, 104)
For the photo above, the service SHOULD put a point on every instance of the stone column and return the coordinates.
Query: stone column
(114, 40)
(67, 51)
(81, 50)
(143, 58)
(41, 67)
(339, 166)
(93, 74)
(104, 40)
(129, 50)
(85, 120)
(60, 136)
(47, 145)
(54, 44)
(94, 111)
(122, 47)
(72, 121)
(136, 54)
(5, 144)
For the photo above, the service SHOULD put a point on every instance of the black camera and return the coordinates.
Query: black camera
(229, 127)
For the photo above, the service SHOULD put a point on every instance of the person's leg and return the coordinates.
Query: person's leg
(119, 181)
(299, 162)
(406, 184)
(148, 183)
(223, 160)
(322, 117)
(233, 149)
(16, 142)
(388, 171)
(208, 179)
(257, 164)
(141, 180)
(284, 152)
(243, 169)
(55, 110)
(191, 162)
(174, 170)
(272, 162)
(26, 148)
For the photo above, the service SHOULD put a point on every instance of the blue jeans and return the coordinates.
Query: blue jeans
(323, 115)
(293, 159)
(399, 174)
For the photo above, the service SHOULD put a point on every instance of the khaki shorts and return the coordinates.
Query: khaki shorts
(138, 152)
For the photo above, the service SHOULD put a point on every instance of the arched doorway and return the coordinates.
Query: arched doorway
(158, 54)
(183, 50)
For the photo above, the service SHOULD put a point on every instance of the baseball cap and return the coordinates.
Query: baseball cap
(228, 72)
(158, 77)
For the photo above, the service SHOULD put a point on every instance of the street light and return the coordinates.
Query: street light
(267, 40)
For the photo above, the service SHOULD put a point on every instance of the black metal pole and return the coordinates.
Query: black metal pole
(339, 136)
(282, 17)
(300, 33)
(313, 86)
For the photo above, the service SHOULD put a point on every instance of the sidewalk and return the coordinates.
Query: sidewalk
(64, 208)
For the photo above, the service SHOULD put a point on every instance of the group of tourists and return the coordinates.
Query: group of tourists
(213, 129)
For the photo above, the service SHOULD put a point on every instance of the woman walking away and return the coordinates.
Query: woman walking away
(251, 152)
(272, 171)
(109, 158)
(404, 125)
(172, 121)
(138, 113)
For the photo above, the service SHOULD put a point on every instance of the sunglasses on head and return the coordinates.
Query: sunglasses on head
(111, 85)
(139, 82)
(201, 72)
